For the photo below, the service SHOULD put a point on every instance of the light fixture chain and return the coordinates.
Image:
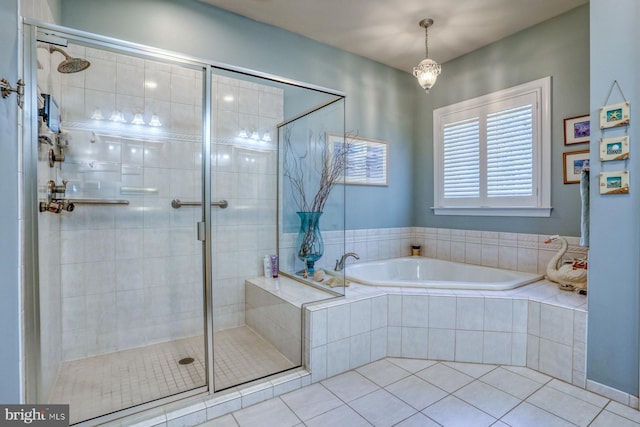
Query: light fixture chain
(426, 42)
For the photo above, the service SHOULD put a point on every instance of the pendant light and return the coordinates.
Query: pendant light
(428, 70)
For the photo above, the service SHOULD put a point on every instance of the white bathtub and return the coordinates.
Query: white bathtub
(435, 273)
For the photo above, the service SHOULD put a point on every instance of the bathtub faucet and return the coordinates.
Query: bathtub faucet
(340, 262)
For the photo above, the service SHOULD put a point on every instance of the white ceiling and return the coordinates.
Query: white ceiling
(387, 31)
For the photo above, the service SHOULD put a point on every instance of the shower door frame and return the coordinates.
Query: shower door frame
(33, 32)
(31, 304)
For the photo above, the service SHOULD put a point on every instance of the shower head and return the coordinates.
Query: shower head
(70, 65)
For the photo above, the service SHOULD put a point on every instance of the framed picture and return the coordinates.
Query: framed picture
(367, 160)
(614, 115)
(614, 148)
(576, 130)
(614, 182)
(574, 162)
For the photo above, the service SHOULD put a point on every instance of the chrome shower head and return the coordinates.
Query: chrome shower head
(70, 65)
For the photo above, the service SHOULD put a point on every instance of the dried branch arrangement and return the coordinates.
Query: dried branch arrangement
(316, 158)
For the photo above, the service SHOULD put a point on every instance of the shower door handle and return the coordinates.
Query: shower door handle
(202, 235)
(177, 204)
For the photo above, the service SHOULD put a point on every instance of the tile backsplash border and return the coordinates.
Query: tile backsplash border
(511, 251)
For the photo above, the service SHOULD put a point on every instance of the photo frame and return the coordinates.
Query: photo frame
(614, 115)
(577, 130)
(614, 182)
(367, 160)
(614, 148)
(573, 163)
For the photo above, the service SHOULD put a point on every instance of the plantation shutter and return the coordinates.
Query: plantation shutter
(510, 152)
(461, 152)
(492, 154)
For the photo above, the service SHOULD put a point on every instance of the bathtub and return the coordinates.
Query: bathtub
(435, 273)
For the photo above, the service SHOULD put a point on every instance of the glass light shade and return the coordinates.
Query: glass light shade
(97, 115)
(427, 73)
(255, 135)
(155, 121)
(243, 133)
(117, 116)
(137, 119)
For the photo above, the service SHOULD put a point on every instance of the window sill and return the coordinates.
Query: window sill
(499, 211)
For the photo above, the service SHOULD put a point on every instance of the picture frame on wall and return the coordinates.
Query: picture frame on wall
(367, 161)
(614, 115)
(573, 163)
(577, 130)
(614, 182)
(614, 148)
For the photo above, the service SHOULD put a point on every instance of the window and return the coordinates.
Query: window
(492, 154)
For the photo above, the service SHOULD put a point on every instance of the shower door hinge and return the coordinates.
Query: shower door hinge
(201, 231)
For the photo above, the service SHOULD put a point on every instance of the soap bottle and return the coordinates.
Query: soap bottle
(266, 265)
(274, 266)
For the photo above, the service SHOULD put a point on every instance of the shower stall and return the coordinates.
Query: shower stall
(154, 189)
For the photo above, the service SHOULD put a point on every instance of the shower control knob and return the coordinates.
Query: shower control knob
(53, 157)
(58, 189)
(53, 207)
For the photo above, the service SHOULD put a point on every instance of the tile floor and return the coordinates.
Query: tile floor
(411, 392)
(102, 384)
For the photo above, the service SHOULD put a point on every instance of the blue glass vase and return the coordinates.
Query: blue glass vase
(309, 243)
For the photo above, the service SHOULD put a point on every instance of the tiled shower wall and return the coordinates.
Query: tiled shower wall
(131, 275)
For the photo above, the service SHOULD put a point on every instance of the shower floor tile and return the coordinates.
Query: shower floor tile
(241, 355)
(103, 384)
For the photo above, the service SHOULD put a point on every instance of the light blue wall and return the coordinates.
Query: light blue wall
(380, 99)
(559, 48)
(10, 390)
(56, 9)
(614, 278)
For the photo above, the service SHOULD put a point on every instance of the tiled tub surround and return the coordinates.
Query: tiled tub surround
(370, 245)
(511, 251)
(536, 325)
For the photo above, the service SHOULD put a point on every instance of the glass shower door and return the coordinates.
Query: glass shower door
(257, 330)
(120, 283)
(243, 172)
